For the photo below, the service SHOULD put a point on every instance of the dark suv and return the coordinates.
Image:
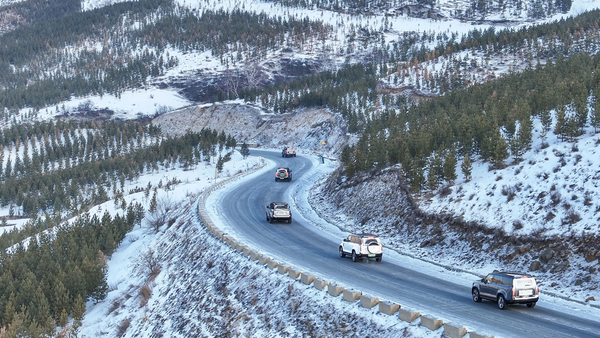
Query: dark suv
(283, 174)
(507, 288)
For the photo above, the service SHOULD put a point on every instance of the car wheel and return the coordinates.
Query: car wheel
(501, 302)
(290, 220)
(378, 259)
(354, 256)
(476, 296)
(268, 218)
(531, 305)
(342, 254)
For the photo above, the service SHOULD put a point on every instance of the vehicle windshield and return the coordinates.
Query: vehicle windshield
(281, 206)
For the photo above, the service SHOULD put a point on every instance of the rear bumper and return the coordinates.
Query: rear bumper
(370, 255)
(523, 300)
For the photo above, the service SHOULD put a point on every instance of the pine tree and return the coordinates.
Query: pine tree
(450, 166)
(559, 128)
(467, 168)
(78, 308)
(245, 151)
(595, 115)
(153, 202)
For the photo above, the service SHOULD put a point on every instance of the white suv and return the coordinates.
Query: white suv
(363, 245)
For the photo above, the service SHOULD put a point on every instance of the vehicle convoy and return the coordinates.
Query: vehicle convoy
(283, 174)
(362, 245)
(506, 288)
(279, 211)
(288, 152)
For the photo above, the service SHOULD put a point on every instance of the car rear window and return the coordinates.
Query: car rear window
(369, 241)
(524, 282)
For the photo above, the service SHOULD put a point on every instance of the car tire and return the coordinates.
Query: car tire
(378, 259)
(268, 220)
(501, 302)
(476, 296)
(531, 305)
(342, 254)
(290, 220)
(354, 258)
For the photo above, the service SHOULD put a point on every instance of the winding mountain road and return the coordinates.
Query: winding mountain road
(240, 208)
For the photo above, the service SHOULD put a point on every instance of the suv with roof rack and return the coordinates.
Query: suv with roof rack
(505, 288)
(362, 245)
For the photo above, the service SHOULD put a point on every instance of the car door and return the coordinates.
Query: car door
(486, 289)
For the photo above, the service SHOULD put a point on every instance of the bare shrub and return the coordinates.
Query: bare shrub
(160, 216)
(145, 294)
(555, 198)
(517, 225)
(509, 192)
(571, 218)
(151, 264)
(123, 326)
(114, 305)
(445, 191)
(587, 201)
(550, 216)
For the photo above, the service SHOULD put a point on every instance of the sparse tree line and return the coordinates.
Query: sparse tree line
(477, 9)
(27, 53)
(48, 270)
(45, 281)
(68, 166)
(492, 121)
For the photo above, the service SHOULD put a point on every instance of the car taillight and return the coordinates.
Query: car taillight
(513, 292)
(537, 290)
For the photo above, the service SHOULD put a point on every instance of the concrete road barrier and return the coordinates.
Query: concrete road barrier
(320, 284)
(283, 269)
(430, 323)
(294, 274)
(264, 260)
(247, 251)
(454, 331)
(351, 295)
(334, 290)
(272, 264)
(306, 278)
(408, 316)
(240, 248)
(368, 302)
(388, 308)
(255, 256)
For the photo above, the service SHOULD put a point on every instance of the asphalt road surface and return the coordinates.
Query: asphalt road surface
(305, 248)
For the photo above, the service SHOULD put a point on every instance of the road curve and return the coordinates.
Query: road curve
(241, 209)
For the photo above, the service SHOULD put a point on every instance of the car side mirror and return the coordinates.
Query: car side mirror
(483, 281)
(267, 207)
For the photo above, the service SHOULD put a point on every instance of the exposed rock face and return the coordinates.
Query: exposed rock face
(546, 255)
(305, 129)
